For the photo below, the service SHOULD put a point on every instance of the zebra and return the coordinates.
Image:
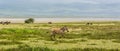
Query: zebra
(59, 31)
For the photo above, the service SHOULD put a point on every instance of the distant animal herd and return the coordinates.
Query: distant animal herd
(8, 22)
(5, 22)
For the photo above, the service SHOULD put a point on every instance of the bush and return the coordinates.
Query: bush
(30, 20)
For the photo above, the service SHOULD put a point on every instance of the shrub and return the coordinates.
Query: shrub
(30, 20)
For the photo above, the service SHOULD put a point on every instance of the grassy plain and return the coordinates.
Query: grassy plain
(101, 36)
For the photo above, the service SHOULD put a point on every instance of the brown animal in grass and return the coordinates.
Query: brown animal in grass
(7, 22)
(49, 22)
(1, 22)
(89, 23)
(59, 31)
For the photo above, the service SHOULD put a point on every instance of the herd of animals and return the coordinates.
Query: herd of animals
(5, 22)
(55, 31)
(8, 22)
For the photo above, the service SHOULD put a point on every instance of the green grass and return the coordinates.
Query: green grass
(9, 42)
(89, 49)
(13, 33)
(48, 49)
(22, 31)
(36, 37)
(117, 41)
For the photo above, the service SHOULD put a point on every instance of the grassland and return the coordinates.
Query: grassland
(101, 36)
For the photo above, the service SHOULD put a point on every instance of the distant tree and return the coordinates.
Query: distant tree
(30, 20)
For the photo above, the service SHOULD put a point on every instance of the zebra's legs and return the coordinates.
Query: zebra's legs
(52, 36)
(63, 35)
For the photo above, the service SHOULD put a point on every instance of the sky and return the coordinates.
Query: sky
(60, 7)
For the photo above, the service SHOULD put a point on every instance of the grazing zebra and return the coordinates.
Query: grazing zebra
(59, 31)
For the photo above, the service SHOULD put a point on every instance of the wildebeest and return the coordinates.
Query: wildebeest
(49, 22)
(5, 23)
(1, 22)
(89, 23)
(59, 31)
